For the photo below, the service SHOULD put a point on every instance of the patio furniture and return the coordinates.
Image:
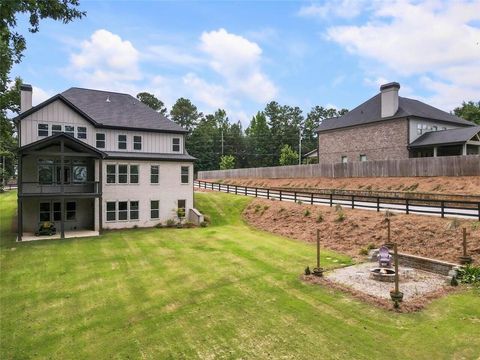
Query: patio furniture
(46, 228)
(384, 257)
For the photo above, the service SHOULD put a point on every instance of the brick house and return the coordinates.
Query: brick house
(389, 126)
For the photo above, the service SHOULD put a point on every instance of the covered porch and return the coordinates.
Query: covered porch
(70, 234)
(454, 142)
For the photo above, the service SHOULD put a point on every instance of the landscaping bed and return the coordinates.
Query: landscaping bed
(359, 230)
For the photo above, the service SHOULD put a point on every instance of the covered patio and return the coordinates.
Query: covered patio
(30, 236)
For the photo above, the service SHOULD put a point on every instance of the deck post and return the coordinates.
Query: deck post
(19, 200)
(62, 189)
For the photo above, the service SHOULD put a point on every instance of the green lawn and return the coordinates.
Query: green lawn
(226, 291)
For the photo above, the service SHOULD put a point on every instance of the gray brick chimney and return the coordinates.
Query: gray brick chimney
(389, 99)
(25, 97)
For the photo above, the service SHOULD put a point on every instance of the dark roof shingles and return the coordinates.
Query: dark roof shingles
(452, 136)
(118, 110)
(370, 111)
(149, 156)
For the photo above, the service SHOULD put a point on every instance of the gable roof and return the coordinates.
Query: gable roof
(106, 109)
(370, 111)
(444, 137)
(70, 142)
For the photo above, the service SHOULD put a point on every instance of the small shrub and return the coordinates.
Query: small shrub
(203, 224)
(206, 219)
(371, 246)
(475, 225)
(338, 208)
(453, 224)
(469, 274)
(340, 216)
(281, 210)
(320, 218)
(307, 270)
(266, 207)
(363, 251)
(257, 208)
(299, 202)
(389, 214)
(159, 225)
(170, 223)
(306, 213)
(189, 225)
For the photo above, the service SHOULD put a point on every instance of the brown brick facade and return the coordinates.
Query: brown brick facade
(378, 141)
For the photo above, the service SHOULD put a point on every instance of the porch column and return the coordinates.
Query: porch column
(100, 198)
(62, 190)
(19, 200)
(435, 151)
(464, 149)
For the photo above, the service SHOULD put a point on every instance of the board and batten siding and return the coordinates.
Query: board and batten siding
(57, 113)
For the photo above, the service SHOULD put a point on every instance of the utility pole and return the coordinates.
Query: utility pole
(299, 146)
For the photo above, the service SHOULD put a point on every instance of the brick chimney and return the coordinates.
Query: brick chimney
(25, 97)
(389, 99)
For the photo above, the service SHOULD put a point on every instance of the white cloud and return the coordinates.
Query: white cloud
(214, 96)
(347, 9)
(238, 61)
(105, 61)
(172, 54)
(433, 39)
(39, 95)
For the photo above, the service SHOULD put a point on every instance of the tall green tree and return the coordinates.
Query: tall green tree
(469, 111)
(288, 156)
(257, 139)
(185, 114)
(153, 102)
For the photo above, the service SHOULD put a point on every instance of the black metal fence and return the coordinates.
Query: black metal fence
(468, 209)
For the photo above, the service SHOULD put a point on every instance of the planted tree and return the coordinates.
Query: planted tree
(288, 156)
(227, 162)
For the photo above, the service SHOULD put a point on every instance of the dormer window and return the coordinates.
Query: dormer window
(176, 144)
(122, 142)
(137, 143)
(42, 129)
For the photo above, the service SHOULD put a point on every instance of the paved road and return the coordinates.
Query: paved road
(365, 205)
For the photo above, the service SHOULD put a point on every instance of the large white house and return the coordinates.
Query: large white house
(92, 160)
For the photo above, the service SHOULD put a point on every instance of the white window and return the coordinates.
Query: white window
(81, 132)
(176, 144)
(134, 210)
(181, 206)
(122, 174)
(56, 129)
(133, 174)
(42, 129)
(137, 143)
(70, 130)
(344, 159)
(122, 142)
(419, 129)
(363, 157)
(184, 174)
(123, 210)
(111, 211)
(100, 141)
(154, 209)
(154, 174)
(111, 174)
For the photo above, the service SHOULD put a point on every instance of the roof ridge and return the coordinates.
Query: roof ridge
(104, 91)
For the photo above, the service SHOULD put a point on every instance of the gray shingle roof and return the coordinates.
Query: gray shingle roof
(370, 111)
(111, 109)
(149, 156)
(452, 136)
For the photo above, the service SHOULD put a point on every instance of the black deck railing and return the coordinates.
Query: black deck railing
(37, 188)
(440, 207)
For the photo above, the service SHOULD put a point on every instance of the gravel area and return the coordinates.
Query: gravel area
(413, 283)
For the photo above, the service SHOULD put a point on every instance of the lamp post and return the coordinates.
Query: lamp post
(318, 271)
(396, 295)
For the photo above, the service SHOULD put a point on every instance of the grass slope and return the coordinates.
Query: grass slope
(226, 291)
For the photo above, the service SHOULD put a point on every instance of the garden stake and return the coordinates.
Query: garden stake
(318, 271)
(465, 258)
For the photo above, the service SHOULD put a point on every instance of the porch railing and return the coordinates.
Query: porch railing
(34, 188)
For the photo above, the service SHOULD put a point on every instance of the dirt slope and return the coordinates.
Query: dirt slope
(464, 185)
(416, 234)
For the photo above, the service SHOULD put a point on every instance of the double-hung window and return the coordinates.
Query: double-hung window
(181, 205)
(100, 141)
(56, 129)
(122, 142)
(111, 174)
(81, 132)
(176, 144)
(133, 174)
(42, 129)
(137, 143)
(122, 174)
(184, 174)
(123, 210)
(133, 210)
(111, 211)
(154, 209)
(154, 174)
(70, 130)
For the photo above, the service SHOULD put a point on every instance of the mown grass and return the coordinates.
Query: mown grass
(226, 291)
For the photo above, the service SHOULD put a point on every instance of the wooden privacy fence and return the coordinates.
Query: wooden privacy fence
(440, 166)
(467, 209)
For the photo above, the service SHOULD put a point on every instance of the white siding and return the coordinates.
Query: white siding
(414, 122)
(57, 113)
(168, 191)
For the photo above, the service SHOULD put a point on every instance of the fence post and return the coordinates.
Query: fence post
(212, 186)
(331, 200)
(479, 211)
(311, 198)
(406, 206)
(280, 195)
(256, 192)
(353, 201)
(245, 191)
(295, 196)
(378, 204)
(236, 189)
(442, 204)
(268, 193)
(228, 189)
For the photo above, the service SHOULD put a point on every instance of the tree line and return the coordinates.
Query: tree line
(274, 136)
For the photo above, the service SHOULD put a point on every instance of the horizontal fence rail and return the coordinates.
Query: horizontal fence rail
(443, 208)
(468, 165)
